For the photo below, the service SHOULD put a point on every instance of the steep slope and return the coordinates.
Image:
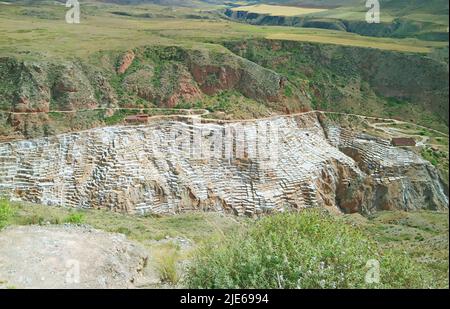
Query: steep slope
(427, 6)
(426, 20)
(359, 80)
(147, 77)
(250, 168)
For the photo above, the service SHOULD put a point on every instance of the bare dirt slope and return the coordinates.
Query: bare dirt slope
(50, 257)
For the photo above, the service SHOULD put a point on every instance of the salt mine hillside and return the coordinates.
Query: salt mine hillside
(224, 144)
(144, 169)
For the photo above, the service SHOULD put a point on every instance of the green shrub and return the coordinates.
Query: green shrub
(6, 212)
(310, 249)
(75, 218)
(431, 156)
(288, 91)
(183, 105)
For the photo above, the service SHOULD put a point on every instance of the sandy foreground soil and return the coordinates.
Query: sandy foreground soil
(69, 256)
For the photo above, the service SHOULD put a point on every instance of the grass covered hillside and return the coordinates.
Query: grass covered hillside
(56, 77)
(359, 80)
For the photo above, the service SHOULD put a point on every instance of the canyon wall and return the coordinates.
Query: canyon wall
(397, 28)
(364, 81)
(249, 167)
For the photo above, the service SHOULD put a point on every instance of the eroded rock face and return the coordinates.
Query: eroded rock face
(182, 87)
(41, 86)
(148, 76)
(126, 61)
(365, 72)
(396, 177)
(251, 167)
(25, 86)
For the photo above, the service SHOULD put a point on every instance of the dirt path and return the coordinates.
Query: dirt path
(187, 112)
(201, 113)
(388, 129)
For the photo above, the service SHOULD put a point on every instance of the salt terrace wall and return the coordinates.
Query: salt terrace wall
(170, 166)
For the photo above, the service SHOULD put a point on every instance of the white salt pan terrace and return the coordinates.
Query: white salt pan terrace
(140, 168)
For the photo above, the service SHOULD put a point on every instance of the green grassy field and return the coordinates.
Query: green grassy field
(40, 30)
(329, 37)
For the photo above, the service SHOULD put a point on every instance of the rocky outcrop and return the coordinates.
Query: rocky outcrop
(215, 73)
(125, 62)
(397, 177)
(250, 167)
(169, 75)
(171, 86)
(24, 87)
(69, 257)
(72, 88)
(33, 86)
